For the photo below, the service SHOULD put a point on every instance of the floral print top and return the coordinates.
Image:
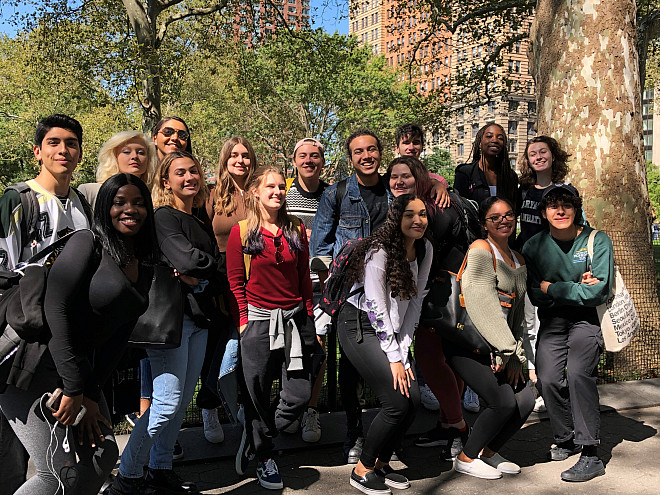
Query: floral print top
(394, 320)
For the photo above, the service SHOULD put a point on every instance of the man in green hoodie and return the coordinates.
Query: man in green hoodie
(566, 285)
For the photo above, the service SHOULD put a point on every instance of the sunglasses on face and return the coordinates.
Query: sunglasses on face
(279, 249)
(181, 134)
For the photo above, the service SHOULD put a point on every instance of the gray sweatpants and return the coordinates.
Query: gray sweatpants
(53, 447)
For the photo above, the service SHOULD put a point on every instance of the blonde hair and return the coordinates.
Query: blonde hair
(225, 187)
(164, 197)
(108, 165)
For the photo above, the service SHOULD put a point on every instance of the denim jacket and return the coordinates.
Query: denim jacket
(329, 233)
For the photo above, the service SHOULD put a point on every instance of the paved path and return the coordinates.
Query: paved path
(630, 448)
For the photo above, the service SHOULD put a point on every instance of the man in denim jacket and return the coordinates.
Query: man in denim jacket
(361, 210)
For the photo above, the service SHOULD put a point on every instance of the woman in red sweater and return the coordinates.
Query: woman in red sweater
(271, 296)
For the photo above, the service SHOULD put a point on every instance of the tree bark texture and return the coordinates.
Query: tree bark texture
(583, 56)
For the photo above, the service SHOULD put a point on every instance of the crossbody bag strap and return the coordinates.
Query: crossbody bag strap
(590, 244)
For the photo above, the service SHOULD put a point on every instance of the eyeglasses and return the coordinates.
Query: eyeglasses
(279, 249)
(181, 134)
(499, 218)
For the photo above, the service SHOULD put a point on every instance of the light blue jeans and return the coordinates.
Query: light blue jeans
(175, 373)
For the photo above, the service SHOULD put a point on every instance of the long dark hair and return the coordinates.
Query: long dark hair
(144, 245)
(507, 180)
(559, 162)
(161, 123)
(388, 237)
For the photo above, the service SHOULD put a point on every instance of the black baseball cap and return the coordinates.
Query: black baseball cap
(563, 186)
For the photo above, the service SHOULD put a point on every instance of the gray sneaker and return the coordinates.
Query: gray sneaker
(355, 451)
(585, 469)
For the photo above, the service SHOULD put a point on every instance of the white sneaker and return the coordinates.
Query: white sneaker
(212, 427)
(471, 401)
(428, 399)
(311, 426)
(477, 468)
(293, 427)
(539, 405)
(501, 464)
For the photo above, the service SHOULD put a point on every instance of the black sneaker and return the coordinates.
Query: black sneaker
(355, 451)
(167, 482)
(244, 454)
(128, 486)
(433, 438)
(563, 451)
(370, 483)
(177, 452)
(391, 478)
(585, 469)
(131, 419)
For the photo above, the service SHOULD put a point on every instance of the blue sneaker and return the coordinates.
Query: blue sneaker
(244, 454)
(268, 475)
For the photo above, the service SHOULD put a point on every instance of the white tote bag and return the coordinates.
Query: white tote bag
(618, 319)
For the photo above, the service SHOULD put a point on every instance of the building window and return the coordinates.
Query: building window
(529, 87)
(512, 146)
(475, 130)
(531, 107)
(517, 46)
(531, 129)
(513, 106)
(491, 107)
(517, 65)
(513, 161)
(460, 151)
(513, 128)
(461, 132)
(475, 112)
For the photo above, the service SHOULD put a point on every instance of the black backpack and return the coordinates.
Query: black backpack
(335, 290)
(468, 213)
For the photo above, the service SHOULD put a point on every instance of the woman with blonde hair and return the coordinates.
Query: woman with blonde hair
(271, 296)
(187, 245)
(126, 152)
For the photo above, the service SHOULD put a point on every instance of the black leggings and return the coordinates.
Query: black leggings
(397, 411)
(507, 409)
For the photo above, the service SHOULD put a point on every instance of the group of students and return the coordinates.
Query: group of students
(242, 249)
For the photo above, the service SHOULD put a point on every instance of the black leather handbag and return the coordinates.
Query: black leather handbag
(161, 325)
(444, 311)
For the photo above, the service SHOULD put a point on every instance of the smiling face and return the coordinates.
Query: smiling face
(559, 214)
(500, 220)
(271, 193)
(492, 141)
(402, 180)
(238, 163)
(183, 179)
(410, 146)
(414, 220)
(128, 210)
(308, 161)
(365, 155)
(132, 158)
(539, 157)
(168, 144)
(59, 153)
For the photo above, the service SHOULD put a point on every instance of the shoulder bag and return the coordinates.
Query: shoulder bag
(161, 325)
(444, 310)
(618, 318)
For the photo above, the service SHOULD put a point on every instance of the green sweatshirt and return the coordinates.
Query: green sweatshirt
(562, 263)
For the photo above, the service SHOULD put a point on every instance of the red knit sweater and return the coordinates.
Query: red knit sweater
(271, 285)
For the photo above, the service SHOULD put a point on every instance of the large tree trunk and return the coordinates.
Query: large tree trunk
(584, 59)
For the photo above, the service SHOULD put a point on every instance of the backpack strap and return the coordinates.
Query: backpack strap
(340, 192)
(30, 218)
(289, 182)
(247, 258)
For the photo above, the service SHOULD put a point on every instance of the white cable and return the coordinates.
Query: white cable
(49, 451)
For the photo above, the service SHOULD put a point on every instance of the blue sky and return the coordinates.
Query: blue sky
(331, 15)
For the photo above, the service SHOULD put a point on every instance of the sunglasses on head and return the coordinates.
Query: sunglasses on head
(181, 134)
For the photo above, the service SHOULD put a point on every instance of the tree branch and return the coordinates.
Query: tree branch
(192, 12)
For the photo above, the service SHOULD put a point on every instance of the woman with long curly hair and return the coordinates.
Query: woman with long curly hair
(490, 172)
(271, 296)
(376, 329)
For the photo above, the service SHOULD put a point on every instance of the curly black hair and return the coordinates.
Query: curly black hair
(388, 237)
